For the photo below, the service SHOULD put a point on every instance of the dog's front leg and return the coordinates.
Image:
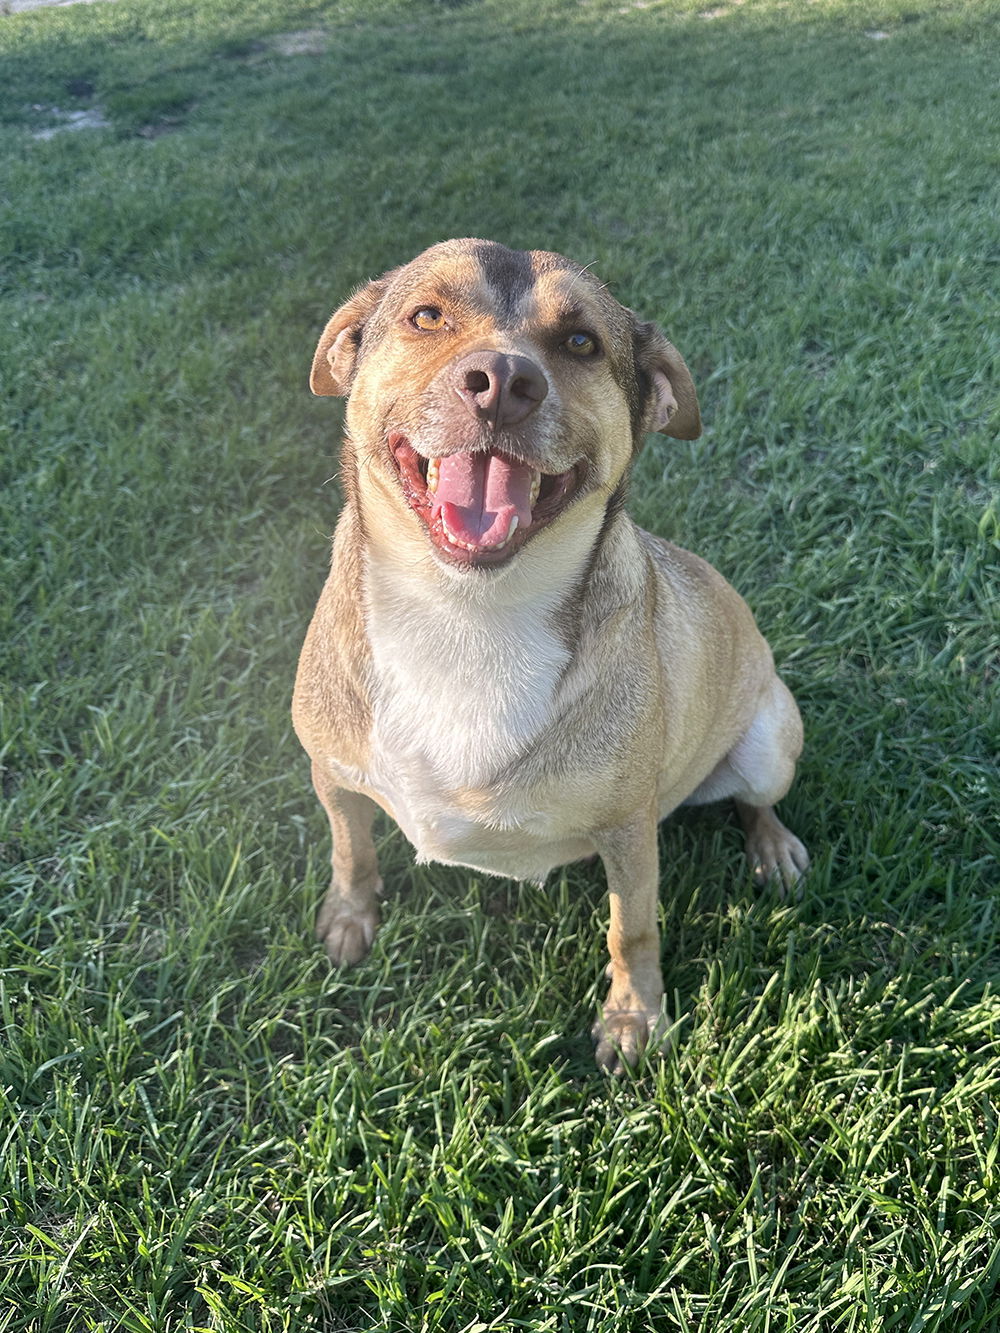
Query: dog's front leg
(632, 1008)
(349, 915)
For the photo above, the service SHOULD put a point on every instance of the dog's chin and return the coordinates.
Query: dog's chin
(471, 536)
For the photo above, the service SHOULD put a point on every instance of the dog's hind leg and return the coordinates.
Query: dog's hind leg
(349, 915)
(756, 773)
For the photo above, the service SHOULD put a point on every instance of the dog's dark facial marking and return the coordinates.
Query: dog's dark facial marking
(509, 274)
(568, 619)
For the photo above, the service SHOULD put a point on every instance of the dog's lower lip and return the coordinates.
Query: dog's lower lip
(418, 474)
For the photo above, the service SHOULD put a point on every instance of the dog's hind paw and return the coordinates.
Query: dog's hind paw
(773, 851)
(776, 855)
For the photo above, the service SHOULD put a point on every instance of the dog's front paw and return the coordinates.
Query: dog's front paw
(345, 935)
(346, 930)
(621, 1036)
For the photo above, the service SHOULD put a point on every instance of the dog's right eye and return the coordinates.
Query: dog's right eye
(428, 318)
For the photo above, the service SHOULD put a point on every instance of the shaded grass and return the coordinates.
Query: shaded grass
(204, 1126)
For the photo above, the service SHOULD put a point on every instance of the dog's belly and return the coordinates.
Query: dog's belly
(514, 840)
(517, 853)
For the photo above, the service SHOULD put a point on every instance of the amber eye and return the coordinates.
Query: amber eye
(581, 344)
(428, 318)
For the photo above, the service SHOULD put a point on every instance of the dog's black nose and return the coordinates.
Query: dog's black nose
(498, 387)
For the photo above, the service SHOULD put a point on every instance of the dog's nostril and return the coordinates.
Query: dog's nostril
(477, 381)
(523, 387)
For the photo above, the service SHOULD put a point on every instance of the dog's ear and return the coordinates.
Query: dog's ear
(672, 404)
(337, 351)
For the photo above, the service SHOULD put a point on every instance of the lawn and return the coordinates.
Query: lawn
(204, 1126)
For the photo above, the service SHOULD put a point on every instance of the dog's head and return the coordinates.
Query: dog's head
(492, 390)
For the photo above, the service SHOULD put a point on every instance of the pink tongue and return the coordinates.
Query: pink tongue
(477, 494)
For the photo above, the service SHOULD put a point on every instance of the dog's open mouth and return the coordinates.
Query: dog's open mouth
(481, 507)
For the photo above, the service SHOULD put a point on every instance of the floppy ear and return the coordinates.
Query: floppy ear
(337, 351)
(672, 408)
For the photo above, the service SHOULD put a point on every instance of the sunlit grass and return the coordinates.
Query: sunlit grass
(205, 1127)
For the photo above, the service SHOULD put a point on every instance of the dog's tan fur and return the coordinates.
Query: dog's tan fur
(517, 715)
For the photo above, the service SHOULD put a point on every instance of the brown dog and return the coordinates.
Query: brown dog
(500, 659)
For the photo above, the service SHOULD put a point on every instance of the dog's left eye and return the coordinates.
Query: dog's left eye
(581, 344)
(428, 318)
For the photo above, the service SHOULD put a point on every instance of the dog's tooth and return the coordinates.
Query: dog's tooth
(433, 470)
(536, 486)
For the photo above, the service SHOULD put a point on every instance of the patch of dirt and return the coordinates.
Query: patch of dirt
(260, 50)
(308, 42)
(720, 11)
(156, 129)
(92, 119)
(19, 6)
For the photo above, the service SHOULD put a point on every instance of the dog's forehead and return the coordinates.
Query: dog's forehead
(512, 286)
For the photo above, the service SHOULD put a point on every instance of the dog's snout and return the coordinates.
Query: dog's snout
(499, 387)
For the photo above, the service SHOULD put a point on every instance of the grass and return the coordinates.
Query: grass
(203, 1126)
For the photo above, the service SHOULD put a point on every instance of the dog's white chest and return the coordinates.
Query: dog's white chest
(462, 689)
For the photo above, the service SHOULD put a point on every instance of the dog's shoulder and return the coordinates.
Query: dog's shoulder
(682, 569)
(705, 629)
(689, 583)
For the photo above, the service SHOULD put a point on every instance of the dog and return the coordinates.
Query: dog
(501, 659)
